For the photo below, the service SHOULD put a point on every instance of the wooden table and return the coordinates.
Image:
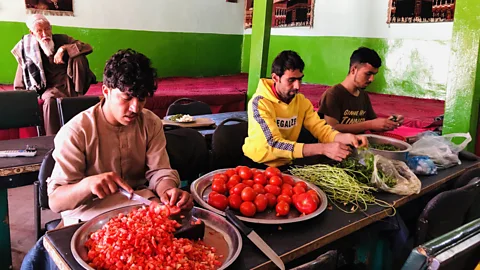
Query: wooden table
(290, 240)
(16, 172)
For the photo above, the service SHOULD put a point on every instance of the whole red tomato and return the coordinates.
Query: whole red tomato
(248, 194)
(220, 176)
(218, 201)
(248, 182)
(238, 188)
(260, 179)
(213, 192)
(230, 172)
(282, 208)
(272, 200)
(275, 190)
(219, 186)
(248, 209)
(284, 198)
(234, 180)
(287, 191)
(294, 198)
(275, 181)
(314, 195)
(287, 179)
(298, 190)
(272, 171)
(235, 201)
(259, 189)
(302, 184)
(245, 173)
(305, 203)
(261, 202)
(285, 185)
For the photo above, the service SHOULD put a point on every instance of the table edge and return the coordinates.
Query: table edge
(35, 167)
(57, 258)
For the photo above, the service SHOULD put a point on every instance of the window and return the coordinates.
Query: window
(416, 11)
(285, 13)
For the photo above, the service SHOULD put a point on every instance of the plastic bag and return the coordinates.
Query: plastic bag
(422, 165)
(441, 149)
(407, 182)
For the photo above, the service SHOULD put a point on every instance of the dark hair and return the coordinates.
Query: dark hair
(365, 55)
(287, 60)
(130, 72)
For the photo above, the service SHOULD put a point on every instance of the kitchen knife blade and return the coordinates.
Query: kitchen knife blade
(134, 196)
(255, 238)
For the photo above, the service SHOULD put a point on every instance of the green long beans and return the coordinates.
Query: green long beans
(339, 186)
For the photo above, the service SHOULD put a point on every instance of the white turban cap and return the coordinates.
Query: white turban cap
(32, 20)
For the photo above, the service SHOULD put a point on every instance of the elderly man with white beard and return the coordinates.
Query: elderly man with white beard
(54, 65)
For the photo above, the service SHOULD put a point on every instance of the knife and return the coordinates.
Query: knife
(255, 238)
(134, 196)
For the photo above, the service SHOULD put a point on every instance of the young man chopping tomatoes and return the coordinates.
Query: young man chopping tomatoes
(116, 143)
(276, 114)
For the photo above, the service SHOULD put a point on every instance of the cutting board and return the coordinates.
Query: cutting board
(199, 122)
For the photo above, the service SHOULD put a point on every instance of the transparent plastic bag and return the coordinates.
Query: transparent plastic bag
(407, 183)
(441, 149)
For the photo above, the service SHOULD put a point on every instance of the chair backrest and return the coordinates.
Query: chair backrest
(68, 107)
(19, 109)
(445, 212)
(188, 106)
(466, 177)
(227, 143)
(188, 152)
(44, 173)
(457, 249)
(474, 210)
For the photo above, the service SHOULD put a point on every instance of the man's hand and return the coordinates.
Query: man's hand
(178, 197)
(383, 124)
(58, 58)
(351, 139)
(337, 151)
(400, 119)
(106, 184)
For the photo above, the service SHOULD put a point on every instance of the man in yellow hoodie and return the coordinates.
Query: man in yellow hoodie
(276, 114)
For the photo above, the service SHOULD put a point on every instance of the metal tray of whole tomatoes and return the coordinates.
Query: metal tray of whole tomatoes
(201, 188)
(218, 233)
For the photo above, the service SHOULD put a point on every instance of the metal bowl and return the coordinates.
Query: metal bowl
(216, 226)
(201, 187)
(398, 155)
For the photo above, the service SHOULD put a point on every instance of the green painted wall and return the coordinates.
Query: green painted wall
(414, 68)
(462, 102)
(173, 54)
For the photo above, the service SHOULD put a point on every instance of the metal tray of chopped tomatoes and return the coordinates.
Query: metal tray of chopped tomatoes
(219, 234)
(202, 187)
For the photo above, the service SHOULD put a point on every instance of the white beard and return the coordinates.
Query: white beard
(47, 47)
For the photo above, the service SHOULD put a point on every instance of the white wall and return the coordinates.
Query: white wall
(198, 16)
(362, 18)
